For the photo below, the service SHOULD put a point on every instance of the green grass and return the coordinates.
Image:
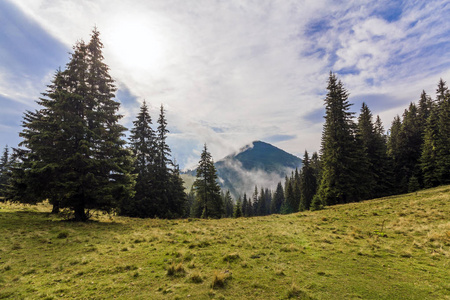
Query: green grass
(390, 248)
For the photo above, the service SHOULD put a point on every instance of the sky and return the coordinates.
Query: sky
(229, 72)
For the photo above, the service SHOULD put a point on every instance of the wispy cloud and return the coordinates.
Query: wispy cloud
(230, 72)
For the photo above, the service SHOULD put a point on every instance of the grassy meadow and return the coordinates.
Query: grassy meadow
(390, 248)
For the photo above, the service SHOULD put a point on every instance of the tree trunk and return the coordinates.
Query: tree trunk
(55, 209)
(80, 214)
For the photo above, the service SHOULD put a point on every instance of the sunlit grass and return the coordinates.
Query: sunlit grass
(390, 248)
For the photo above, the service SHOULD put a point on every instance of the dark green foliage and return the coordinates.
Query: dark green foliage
(383, 172)
(255, 202)
(208, 202)
(316, 203)
(228, 205)
(246, 206)
(75, 154)
(413, 184)
(159, 188)
(4, 171)
(394, 152)
(344, 167)
(443, 138)
(162, 164)
(238, 209)
(289, 202)
(278, 200)
(308, 183)
(143, 146)
(435, 156)
(410, 146)
(429, 156)
(374, 147)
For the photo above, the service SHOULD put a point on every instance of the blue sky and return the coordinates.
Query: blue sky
(230, 72)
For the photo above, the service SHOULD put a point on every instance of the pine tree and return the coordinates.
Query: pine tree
(238, 209)
(76, 156)
(366, 135)
(4, 172)
(296, 188)
(394, 153)
(176, 195)
(443, 138)
(429, 157)
(143, 146)
(308, 183)
(278, 199)
(289, 200)
(255, 202)
(245, 205)
(435, 156)
(262, 203)
(383, 171)
(342, 167)
(228, 205)
(162, 164)
(207, 189)
(410, 147)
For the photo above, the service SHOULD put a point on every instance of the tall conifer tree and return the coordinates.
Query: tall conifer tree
(308, 182)
(75, 145)
(340, 157)
(207, 190)
(143, 146)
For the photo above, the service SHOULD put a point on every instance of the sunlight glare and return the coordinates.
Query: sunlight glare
(138, 44)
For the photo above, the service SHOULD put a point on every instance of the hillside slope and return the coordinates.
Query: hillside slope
(390, 248)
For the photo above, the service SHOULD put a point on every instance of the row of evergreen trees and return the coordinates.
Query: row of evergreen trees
(358, 160)
(73, 153)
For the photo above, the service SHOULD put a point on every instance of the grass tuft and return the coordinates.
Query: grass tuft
(176, 270)
(231, 257)
(196, 277)
(220, 279)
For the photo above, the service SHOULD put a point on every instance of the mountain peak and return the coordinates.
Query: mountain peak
(264, 156)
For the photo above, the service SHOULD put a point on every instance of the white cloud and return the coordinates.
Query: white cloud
(251, 67)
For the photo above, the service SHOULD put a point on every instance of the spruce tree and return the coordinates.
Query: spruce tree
(341, 157)
(228, 205)
(75, 154)
(162, 164)
(177, 196)
(255, 202)
(443, 138)
(296, 188)
(278, 199)
(410, 147)
(384, 175)
(207, 190)
(245, 211)
(238, 209)
(429, 157)
(143, 146)
(395, 155)
(308, 183)
(4, 172)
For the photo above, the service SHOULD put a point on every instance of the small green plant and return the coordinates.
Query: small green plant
(380, 232)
